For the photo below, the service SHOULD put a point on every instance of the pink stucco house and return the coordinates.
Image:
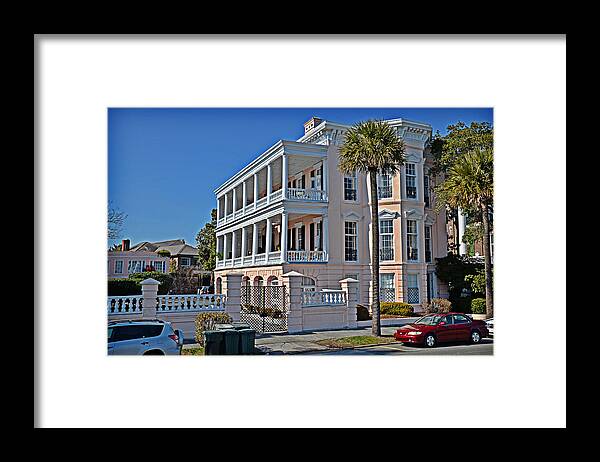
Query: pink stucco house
(292, 210)
(144, 256)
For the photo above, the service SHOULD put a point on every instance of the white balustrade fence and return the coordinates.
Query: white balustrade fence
(193, 302)
(130, 304)
(126, 304)
(294, 256)
(306, 194)
(329, 297)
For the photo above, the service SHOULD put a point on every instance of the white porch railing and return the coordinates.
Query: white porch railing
(298, 194)
(276, 195)
(260, 258)
(274, 257)
(329, 297)
(300, 256)
(125, 304)
(192, 302)
(261, 202)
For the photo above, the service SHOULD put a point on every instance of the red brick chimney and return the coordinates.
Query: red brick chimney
(125, 245)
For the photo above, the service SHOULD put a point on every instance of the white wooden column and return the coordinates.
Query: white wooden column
(325, 236)
(233, 245)
(225, 206)
(244, 195)
(234, 200)
(325, 179)
(254, 241)
(284, 176)
(269, 237)
(283, 236)
(255, 188)
(243, 243)
(224, 246)
(218, 208)
(269, 182)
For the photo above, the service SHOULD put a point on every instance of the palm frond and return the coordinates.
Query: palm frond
(371, 145)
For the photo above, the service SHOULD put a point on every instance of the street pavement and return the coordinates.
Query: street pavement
(486, 347)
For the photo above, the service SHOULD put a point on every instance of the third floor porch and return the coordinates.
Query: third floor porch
(288, 171)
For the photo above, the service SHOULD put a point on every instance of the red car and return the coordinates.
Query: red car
(438, 328)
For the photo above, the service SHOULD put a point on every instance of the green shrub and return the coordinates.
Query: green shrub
(362, 313)
(438, 305)
(207, 321)
(118, 287)
(462, 305)
(397, 308)
(478, 306)
(165, 280)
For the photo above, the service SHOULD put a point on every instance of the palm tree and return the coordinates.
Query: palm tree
(372, 147)
(469, 184)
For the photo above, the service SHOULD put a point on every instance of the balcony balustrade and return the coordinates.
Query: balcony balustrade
(306, 256)
(386, 254)
(292, 194)
(297, 194)
(293, 256)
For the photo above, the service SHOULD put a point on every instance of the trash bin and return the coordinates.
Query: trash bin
(223, 326)
(232, 341)
(240, 325)
(213, 342)
(247, 337)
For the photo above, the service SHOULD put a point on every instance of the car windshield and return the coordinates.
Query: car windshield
(429, 320)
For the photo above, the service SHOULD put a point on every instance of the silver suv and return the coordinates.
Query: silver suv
(143, 337)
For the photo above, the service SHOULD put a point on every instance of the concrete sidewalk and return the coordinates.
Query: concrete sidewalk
(305, 342)
(277, 344)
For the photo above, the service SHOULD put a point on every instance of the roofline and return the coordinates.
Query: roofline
(281, 145)
(272, 151)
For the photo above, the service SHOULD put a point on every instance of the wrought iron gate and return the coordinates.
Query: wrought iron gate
(264, 308)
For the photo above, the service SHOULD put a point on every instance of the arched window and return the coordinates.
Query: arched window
(272, 281)
(258, 281)
(218, 286)
(245, 281)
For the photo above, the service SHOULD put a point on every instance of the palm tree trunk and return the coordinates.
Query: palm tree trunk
(489, 290)
(376, 323)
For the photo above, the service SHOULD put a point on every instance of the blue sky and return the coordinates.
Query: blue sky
(164, 163)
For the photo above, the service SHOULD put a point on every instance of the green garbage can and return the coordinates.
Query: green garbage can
(240, 325)
(247, 337)
(213, 342)
(232, 341)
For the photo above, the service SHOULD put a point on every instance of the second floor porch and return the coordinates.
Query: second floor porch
(305, 240)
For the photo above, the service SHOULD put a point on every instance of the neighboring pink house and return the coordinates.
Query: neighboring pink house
(143, 256)
(292, 210)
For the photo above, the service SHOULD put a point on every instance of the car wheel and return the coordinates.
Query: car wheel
(475, 337)
(153, 353)
(430, 340)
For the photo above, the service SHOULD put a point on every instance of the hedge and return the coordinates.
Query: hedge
(207, 321)
(478, 306)
(397, 308)
(118, 287)
(362, 313)
(439, 305)
(131, 285)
